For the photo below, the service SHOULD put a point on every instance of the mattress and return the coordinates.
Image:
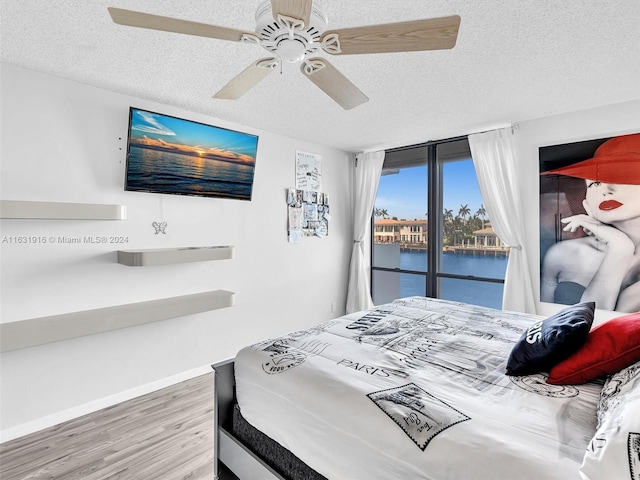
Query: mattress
(415, 389)
(268, 450)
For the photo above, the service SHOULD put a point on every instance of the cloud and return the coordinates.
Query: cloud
(152, 125)
(196, 150)
(225, 153)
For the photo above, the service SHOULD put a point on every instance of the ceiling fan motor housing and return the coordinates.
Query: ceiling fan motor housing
(287, 38)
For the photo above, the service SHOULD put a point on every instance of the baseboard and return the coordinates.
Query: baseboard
(75, 412)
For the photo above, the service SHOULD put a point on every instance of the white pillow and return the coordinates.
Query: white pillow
(614, 451)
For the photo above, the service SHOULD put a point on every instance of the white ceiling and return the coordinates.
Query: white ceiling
(514, 61)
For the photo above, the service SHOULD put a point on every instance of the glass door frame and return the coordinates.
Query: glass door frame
(434, 229)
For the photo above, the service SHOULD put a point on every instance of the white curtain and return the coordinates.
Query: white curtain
(496, 168)
(368, 169)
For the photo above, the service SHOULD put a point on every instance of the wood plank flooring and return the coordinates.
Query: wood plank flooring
(167, 434)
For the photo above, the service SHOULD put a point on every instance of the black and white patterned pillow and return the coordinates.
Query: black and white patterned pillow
(616, 386)
(614, 451)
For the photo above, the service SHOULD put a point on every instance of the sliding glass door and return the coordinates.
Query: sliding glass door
(431, 234)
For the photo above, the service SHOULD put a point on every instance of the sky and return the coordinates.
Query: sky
(404, 195)
(191, 137)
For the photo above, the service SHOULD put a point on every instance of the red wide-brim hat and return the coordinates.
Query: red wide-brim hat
(616, 161)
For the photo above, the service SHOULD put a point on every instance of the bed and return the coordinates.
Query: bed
(417, 389)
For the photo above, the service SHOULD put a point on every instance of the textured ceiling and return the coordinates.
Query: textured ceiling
(514, 61)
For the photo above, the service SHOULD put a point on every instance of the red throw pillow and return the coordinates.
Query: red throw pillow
(610, 347)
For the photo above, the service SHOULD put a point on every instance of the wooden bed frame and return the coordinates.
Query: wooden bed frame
(230, 451)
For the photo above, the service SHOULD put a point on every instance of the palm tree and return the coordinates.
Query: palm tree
(482, 213)
(464, 211)
(448, 229)
(380, 212)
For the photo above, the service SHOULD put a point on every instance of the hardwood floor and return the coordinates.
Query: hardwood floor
(167, 434)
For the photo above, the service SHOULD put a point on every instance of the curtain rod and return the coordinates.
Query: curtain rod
(514, 126)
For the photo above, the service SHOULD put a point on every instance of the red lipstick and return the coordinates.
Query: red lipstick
(609, 205)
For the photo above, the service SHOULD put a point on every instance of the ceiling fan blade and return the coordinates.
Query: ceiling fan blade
(168, 24)
(247, 79)
(411, 36)
(333, 83)
(298, 9)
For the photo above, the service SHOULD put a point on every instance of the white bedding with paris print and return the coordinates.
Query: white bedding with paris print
(415, 389)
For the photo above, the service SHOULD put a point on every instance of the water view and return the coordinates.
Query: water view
(479, 293)
(167, 172)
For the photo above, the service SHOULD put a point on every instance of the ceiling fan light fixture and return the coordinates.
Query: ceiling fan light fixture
(291, 50)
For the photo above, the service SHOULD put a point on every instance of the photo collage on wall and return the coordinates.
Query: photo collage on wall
(308, 207)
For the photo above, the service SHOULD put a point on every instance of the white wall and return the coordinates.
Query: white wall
(600, 122)
(66, 142)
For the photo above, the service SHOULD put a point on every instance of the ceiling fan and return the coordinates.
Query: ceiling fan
(295, 31)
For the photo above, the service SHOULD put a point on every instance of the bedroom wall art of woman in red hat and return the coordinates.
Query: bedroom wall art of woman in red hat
(604, 265)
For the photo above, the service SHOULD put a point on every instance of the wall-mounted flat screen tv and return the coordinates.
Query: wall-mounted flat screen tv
(171, 155)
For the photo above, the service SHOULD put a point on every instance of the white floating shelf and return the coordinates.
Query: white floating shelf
(61, 211)
(38, 331)
(165, 256)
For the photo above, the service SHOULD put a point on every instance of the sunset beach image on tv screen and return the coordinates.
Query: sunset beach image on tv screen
(170, 155)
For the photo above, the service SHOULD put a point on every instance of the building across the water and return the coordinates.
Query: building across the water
(412, 235)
